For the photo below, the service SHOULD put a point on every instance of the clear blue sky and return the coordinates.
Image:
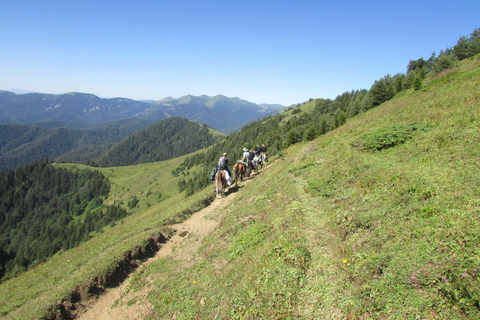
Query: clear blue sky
(263, 51)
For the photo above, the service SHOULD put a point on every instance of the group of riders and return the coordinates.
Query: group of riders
(251, 159)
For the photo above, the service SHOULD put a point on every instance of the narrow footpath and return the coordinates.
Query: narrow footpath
(113, 303)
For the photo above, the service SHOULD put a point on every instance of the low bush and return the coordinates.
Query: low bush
(385, 138)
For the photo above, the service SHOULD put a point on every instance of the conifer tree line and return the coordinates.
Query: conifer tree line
(280, 131)
(45, 209)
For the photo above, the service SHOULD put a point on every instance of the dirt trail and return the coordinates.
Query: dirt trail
(113, 303)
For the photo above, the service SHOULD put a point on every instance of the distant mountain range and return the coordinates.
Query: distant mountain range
(84, 110)
(81, 127)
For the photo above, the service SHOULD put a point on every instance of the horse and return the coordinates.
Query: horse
(262, 158)
(220, 183)
(239, 172)
(257, 162)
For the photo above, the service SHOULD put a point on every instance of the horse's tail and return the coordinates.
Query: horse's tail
(236, 169)
(218, 183)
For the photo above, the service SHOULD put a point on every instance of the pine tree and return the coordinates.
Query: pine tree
(380, 92)
(310, 134)
(417, 82)
(408, 80)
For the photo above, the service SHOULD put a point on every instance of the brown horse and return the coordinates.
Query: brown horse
(239, 172)
(220, 183)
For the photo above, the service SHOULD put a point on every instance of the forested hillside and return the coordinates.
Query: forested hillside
(22, 144)
(167, 139)
(44, 209)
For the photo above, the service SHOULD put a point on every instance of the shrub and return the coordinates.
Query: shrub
(384, 138)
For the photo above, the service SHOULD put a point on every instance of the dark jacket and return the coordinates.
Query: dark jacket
(262, 149)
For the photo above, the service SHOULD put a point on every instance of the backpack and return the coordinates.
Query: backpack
(212, 174)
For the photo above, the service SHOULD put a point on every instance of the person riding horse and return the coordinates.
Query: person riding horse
(262, 152)
(262, 149)
(223, 165)
(245, 155)
(250, 163)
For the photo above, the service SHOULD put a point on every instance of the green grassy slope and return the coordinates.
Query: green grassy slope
(330, 231)
(334, 231)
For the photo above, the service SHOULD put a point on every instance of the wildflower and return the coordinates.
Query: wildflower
(194, 282)
(345, 261)
(464, 275)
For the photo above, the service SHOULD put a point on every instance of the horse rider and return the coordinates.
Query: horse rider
(262, 149)
(223, 164)
(245, 154)
(251, 155)
(262, 152)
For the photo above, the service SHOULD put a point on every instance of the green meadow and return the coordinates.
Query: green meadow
(377, 219)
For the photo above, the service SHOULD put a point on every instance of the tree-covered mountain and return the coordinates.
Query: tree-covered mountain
(22, 144)
(82, 110)
(169, 138)
(164, 140)
(44, 209)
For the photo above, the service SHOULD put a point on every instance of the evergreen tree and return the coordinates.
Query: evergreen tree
(474, 43)
(408, 80)
(293, 137)
(417, 82)
(322, 126)
(445, 60)
(380, 92)
(310, 134)
(461, 50)
(181, 185)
